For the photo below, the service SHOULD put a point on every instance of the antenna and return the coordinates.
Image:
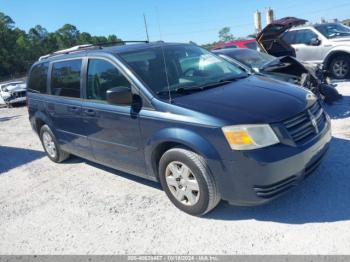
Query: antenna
(164, 60)
(146, 28)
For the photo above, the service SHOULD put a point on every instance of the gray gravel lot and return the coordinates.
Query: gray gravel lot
(79, 207)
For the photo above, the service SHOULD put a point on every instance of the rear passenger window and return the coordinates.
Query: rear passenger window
(102, 76)
(65, 78)
(38, 79)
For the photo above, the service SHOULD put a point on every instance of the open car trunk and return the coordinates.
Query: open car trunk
(270, 40)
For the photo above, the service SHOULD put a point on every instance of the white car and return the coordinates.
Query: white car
(13, 92)
(325, 44)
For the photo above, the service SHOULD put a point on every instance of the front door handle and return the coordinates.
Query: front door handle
(73, 108)
(90, 112)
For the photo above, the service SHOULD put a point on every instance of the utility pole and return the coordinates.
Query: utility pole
(146, 28)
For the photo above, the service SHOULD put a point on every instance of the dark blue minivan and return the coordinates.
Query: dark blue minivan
(180, 115)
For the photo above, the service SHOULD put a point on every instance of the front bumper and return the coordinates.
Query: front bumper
(257, 178)
(15, 97)
(17, 100)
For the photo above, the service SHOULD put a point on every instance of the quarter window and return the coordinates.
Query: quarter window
(65, 78)
(38, 79)
(102, 75)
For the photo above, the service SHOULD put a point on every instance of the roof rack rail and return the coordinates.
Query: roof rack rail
(120, 42)
(78, 48)
(68, 50)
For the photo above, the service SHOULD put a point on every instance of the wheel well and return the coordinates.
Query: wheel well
(333, 55)
(38, 124)
(159, 152)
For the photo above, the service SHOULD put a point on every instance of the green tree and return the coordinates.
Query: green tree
(67, 36)
(252, 36)
(19, 49)
(6, 21)
(225, 34)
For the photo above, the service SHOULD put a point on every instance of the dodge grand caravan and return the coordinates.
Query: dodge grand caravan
(180, 115)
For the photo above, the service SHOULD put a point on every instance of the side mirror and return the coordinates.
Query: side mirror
(315, 41)
(120, 95)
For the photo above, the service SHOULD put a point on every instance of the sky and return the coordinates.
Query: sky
(168, 20)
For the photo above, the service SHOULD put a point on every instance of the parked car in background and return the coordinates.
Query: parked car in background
(327, 44)
(247, 43)
(13, 92)
(181, 115)
(284, 68)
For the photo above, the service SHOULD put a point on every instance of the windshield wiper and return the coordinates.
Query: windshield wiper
(234, 78)
(221, 82)
(180, 90)
(190, 89)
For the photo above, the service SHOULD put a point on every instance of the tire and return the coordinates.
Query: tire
(50, 145)
(184, 175)
(339, 67)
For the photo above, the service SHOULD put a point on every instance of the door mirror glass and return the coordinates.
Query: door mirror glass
(120, 95)
(315, 41)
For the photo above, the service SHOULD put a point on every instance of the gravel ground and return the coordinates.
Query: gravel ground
(79, 207)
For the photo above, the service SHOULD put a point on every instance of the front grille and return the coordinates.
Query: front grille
(275, 189)
(19, 94)
(307, 124)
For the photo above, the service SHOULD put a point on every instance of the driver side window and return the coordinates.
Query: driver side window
(305, 36)
(101, 76)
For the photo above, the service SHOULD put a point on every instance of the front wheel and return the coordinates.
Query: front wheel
(340, 67)
(187, 181)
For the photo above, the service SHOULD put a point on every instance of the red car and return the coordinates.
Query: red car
(247, 43)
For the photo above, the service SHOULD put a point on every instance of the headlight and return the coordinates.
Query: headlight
(246, 137)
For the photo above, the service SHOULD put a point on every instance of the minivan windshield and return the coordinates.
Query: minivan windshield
(180, 69)
(333, 30)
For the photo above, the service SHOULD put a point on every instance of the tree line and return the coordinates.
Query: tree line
(20, 49)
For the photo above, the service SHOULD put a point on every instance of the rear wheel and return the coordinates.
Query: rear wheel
(188, 182)
(340, 67)
(51, 146)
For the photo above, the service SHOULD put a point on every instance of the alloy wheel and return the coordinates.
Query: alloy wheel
(341, 68)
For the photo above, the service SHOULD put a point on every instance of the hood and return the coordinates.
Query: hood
(255, 99)
(340, 39)
(270, 39)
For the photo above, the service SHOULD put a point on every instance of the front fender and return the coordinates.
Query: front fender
(336, 50)
(181, 136)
